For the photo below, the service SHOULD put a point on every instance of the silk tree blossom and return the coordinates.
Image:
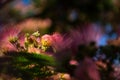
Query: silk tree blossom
(46, 40)
(74, 38)
(61, 42)
(56, 40)
(94, 33)
(85, 35)
(87, 70)
(6, 34)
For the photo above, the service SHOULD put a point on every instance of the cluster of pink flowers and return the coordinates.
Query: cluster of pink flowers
(59, 44)
(71, 40)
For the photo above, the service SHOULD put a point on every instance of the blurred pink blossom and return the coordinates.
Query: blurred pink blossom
(34, 24)
(90, 32)
(73, 62)
(5, 35)
(46, 40)
(61, 42)
(87, 70)
(84, 35)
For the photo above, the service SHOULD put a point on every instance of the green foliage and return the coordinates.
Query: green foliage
(33, 65)
(33, 57)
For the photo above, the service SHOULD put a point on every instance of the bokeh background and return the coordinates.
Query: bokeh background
(94, 20)
(61, 15)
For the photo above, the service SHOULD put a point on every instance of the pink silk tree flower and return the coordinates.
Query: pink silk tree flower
(5, 34)
(57, 41)
(46, 43)
(94, 33)
(46, 40)
(85, 35)
(87, 70)
(61, 42)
